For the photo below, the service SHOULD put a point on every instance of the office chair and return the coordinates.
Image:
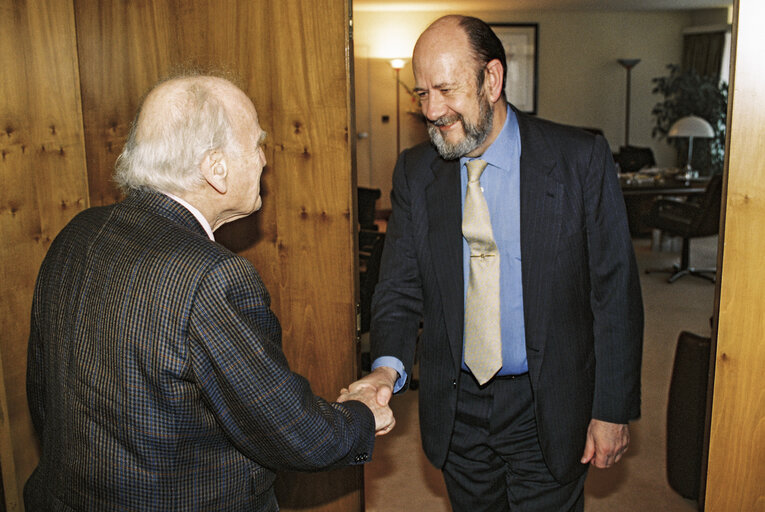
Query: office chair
(686, 414)
(365, 201)
(370, 272)
(688, 219)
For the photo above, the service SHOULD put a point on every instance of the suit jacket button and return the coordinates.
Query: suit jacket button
(454, 383)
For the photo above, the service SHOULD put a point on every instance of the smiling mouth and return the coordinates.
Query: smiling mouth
(446, 120)
(444, 124)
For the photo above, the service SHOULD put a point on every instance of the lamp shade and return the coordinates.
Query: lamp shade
(397, 63)
(691, 126)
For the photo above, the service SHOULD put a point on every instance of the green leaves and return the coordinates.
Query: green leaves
(688, 93)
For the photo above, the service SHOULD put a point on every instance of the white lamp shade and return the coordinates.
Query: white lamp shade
(691, 126)
(397, 63)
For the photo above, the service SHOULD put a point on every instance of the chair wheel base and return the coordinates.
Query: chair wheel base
(677, 272)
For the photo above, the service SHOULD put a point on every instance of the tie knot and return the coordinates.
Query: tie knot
(475, 169)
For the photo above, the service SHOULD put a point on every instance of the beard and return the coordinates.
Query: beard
(475, 134)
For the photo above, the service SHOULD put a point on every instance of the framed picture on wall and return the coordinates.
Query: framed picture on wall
(520, 42)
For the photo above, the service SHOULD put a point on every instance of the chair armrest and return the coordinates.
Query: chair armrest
(676, 209)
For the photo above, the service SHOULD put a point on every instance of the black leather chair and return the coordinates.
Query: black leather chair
(365, 200)
(686, 414)
(371, 242)
(688, 219)
(368, 276)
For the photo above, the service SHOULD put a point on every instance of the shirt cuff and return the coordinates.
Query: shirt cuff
(396, 364)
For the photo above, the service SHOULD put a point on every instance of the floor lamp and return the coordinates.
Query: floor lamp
(628, 64)
(397, 65)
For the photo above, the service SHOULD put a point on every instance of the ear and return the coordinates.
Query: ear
(493, 81)
(215, 171)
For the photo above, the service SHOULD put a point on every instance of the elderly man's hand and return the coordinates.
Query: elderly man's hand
(384, 420)
(381, 380)
(378, 385)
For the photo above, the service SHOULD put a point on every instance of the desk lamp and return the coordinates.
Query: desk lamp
(691, 126)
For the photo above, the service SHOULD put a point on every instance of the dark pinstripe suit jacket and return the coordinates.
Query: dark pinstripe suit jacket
(581, 293)
(156, 379)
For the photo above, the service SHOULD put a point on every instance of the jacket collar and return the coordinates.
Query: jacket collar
(166, 207)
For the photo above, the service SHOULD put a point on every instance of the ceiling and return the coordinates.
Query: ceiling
(505, 5)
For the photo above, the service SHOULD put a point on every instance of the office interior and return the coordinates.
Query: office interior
(305, 242)
(572, 47)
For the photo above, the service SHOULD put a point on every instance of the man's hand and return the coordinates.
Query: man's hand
(606, 443)
(381, 381)
(377, 387)
(384, 420)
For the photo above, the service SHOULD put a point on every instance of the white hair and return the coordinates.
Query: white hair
(165, 148)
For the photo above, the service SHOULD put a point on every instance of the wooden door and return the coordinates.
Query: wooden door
(736, 467)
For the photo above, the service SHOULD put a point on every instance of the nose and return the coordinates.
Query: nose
(263, 156)
(434, 107)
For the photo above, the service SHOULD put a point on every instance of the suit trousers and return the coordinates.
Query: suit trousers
(495, 462)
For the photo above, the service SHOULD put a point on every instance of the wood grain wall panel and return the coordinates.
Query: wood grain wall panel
(127, 47)
(736, 468)
(314, 197)
(42, 186)
(124, 48)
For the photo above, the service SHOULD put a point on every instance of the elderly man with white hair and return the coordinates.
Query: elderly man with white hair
(156, 378)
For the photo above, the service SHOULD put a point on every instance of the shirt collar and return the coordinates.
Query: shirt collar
(505, 148)
(196, 213)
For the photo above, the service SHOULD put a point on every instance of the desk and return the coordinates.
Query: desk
(640, 193)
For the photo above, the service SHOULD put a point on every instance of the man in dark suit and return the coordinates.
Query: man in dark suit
(565, 378)
(156, 379)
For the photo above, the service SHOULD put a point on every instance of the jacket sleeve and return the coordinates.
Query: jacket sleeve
(36, 372)
(615, 295)
(397, 303)
(268, 412)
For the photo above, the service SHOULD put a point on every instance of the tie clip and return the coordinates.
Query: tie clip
(482, 256)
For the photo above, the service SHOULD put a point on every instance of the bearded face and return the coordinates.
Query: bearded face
(475, 131)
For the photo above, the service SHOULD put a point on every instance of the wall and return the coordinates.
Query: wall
(42, 185)
(580, 81)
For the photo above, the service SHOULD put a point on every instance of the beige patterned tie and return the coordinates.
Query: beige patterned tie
(483, 341)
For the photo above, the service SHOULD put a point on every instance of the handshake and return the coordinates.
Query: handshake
(375, 391)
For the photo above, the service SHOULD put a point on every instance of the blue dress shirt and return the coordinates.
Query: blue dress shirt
(501, 184)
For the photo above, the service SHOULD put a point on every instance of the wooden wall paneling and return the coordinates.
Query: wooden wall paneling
(42, 186)
(124, 48)
(292, 58)
(736, 467)
(314, 192)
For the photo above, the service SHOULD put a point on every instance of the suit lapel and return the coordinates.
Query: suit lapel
(444, 208)
(541, 210)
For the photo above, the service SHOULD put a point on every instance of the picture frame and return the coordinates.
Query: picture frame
(520, 41)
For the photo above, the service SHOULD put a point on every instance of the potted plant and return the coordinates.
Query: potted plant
(687, 93)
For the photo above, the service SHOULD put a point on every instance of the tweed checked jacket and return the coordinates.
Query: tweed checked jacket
(156, 379)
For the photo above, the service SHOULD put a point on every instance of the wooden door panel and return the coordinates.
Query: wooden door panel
(42, 186)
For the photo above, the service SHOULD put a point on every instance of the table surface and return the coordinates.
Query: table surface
(660, 184)
(642, 188)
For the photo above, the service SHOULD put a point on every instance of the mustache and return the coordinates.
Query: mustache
(445, 120)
